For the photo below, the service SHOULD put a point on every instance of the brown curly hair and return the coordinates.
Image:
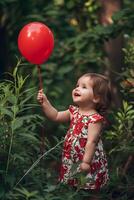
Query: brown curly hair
(102, 89)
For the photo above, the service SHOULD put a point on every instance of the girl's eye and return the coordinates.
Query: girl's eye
(77, 85)
(84, 87)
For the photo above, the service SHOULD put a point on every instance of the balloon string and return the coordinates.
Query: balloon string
(40, 77)
(42, 147)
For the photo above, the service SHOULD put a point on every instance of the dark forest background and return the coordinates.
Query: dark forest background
(90, 36)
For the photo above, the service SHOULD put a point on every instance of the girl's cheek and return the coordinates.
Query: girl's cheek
(72, 92)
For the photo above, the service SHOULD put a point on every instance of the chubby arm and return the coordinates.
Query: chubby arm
(50, 111)
(93, 137)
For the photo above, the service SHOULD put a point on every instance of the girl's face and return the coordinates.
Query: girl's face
(82, 94)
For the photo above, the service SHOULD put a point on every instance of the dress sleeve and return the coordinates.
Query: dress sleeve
(72, 109)
(96, 118)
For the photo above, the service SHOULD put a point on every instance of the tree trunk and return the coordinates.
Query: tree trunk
(113, 47)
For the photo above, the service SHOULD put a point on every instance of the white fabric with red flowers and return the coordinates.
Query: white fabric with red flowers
(73, 151)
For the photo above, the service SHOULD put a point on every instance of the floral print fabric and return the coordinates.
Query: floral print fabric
(73, 151)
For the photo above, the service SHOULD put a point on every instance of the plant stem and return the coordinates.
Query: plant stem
(9, 152)
(38, 160)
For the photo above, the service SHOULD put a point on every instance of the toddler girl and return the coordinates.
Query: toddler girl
(83, 144)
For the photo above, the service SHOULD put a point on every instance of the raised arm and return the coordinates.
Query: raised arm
(50, 111)
(93, 137)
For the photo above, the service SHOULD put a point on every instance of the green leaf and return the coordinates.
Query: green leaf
(26, 99)
(17, 123)
(125, 105)
(15, 71)
(15, 109)
(18, 157)
(118, 15)
(30, 138)
(50, 188)
(65, 70)
(26, 193)
(5, 111)
(12, 99)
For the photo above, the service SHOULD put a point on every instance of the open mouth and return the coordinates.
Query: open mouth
(76, 94)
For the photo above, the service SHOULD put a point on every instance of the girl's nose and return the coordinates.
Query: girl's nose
(76, 89)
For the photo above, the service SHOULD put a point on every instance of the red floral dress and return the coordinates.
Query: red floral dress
(73, 151)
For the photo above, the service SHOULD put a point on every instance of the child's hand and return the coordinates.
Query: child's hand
(84, 167)
(41, 97)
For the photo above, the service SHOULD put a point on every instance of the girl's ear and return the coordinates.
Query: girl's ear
(96, 99)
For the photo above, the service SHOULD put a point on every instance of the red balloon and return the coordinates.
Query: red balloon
(36, 42)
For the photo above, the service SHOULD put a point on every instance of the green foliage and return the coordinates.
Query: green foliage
(128, 76)
(23, 193)
(18, 133)
(120, 137)
(121, 149)
(122, 133)
(79, 40)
